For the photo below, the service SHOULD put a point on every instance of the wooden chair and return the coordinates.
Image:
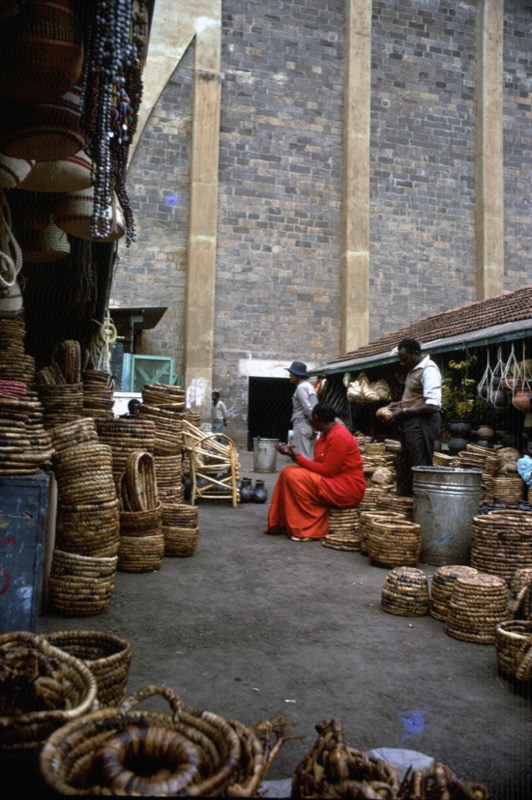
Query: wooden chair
(214, 465)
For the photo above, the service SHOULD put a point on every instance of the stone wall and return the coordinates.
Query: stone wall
(280, 173)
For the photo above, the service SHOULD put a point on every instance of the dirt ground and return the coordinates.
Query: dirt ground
(255, 624)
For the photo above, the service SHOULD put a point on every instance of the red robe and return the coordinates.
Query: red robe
(304, 493)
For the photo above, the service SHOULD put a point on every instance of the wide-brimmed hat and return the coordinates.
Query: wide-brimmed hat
(298, 368)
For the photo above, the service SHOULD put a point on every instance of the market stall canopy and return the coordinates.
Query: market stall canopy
(507, 317)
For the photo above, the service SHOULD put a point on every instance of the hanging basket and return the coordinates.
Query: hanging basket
(44, 131)
(13, 171)
(74, 215)
(39, 247)
(41, 51)
(64, 175)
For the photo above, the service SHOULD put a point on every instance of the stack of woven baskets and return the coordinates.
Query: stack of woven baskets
(126, 750)
(15, 364)
(98, 400)
(26, 445)
(180, 529)
(501, 542)
(165, 406)
(343, 533)
(477, 604)
(125, 436)
(59, 386)
(141, 547)
(442, 585)
(84, 561)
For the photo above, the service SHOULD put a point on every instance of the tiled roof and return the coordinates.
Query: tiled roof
(507, 307)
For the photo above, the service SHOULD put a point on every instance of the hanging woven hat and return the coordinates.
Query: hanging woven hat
(64, 175)
(44, 131)
(50, 244)
(13, 171)
(41, 51)
(74, 213)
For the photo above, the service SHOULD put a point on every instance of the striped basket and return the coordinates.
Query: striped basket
(44, 131)
(13, 171)
(74, 213)
(64, 175)
(41, 51)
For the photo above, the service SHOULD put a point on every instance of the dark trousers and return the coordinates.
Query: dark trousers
(417, 448)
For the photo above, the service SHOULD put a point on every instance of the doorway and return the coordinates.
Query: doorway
(269, 408)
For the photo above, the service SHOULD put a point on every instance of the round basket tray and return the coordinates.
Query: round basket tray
(107, 656)
(52, 686)
(204, 754)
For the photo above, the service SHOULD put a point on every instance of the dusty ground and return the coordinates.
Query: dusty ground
(255, 624)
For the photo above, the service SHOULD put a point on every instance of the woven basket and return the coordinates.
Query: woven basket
(41, 51)
(331, 768)
(180, 515)
(107, 656)
(141, 523)
(44, 131)
(74, 212)
(13, 171)
(394, 543)
(442, 586)
(521, 578)
(42, 689)
(212, 756)
(476, 606)
(73, 433)
(63, 175)
(513, 644)
(138, 484)
(140, 553)
(180, 542)
(501, 542)
(405, 592)
(89, 530)
(81, 586)
(43, 247)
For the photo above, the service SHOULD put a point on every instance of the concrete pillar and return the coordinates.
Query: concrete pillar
(489, 150)
(354, 330)
(203, 222)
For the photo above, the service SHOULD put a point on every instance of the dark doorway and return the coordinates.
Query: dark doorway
(269, 408)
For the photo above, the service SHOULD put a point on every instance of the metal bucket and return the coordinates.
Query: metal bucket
(264, 455)
(445, 502)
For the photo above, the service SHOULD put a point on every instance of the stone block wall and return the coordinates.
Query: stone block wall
(280, 180)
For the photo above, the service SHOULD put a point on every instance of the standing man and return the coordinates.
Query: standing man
(219, 413)
(303, 401)
(418, 413)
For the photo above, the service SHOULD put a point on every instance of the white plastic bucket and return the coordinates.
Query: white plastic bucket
(445, 502)
(264, 455)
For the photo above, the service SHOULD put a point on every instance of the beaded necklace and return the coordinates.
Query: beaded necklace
(110, 55)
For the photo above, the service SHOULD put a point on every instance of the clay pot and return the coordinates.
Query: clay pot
(521, 401)
(459, 435)
(260, 493)
(246, 491)
(484, 432)
(484, 443)
(498, 398)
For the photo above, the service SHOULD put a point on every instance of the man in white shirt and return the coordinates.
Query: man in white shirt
(418, 413)
(303, 401)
